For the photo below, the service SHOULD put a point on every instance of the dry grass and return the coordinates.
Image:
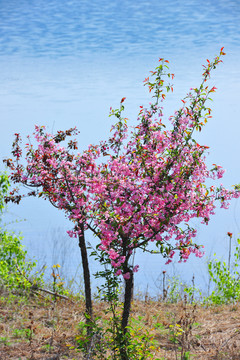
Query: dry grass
(41, 329)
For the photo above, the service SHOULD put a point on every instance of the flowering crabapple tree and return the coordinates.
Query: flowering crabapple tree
(155, 182)
(142, 186)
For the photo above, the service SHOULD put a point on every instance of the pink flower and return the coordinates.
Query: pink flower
(113, 254)
(126, 276)
(135, 269)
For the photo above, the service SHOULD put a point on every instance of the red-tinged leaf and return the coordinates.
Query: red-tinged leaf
(222, 49)
(166, 61)
(213, 89)
(160, 59)
(183, 101)
(123, 100)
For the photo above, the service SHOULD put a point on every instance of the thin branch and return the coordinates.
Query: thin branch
(41, 289)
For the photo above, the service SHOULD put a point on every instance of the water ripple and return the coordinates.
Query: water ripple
(76, 28)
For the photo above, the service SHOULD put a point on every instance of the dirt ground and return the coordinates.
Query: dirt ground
(42, 329)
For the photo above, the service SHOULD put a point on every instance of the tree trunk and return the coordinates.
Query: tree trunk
(86, 274)
(127, 301)
(126, 312)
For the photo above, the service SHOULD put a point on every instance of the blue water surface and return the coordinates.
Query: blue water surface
(64, 63)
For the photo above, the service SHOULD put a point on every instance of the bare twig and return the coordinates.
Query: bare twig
(36, 287)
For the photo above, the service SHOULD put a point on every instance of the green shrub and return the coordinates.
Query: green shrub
(15, 269)
(227, 284)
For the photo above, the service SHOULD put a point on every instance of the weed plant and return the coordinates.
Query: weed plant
(226, 281)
